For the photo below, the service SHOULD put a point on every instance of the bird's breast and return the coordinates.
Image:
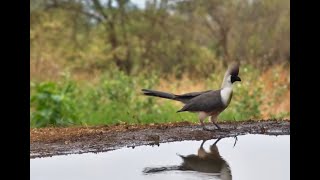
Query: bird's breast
(226, 95)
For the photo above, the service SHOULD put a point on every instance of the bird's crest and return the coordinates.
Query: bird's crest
(234, 69)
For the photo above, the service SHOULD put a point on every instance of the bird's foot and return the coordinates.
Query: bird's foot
(220, 129)
(207, 129)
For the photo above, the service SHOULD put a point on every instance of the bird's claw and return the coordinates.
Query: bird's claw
(207, 129)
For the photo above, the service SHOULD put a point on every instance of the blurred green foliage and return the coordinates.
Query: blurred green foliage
(170, 37)
(133, 48)
(116, 98)
(54, 104)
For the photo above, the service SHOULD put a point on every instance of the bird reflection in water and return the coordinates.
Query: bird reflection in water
(205, 161)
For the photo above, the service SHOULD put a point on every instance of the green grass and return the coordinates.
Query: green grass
(116, 98)
(64, 104)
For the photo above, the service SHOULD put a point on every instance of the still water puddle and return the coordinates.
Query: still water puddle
(254, 157)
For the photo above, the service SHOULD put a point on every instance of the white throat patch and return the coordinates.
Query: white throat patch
(226, 94)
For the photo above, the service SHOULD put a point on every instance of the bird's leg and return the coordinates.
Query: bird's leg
(202, 117)
(213, 119)
(203, 141)
(217, 141)
(201, 151)
(217, 125)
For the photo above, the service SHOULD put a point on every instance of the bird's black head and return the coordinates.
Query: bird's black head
(234, 72)
(235, 78)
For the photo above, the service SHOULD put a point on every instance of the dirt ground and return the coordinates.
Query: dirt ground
(46, 142)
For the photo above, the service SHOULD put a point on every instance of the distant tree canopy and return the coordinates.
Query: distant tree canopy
(172, 37)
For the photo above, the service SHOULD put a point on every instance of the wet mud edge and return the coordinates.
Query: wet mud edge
(45, 142)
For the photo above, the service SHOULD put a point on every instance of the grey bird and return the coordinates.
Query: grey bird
(204, 161)
(208, 103)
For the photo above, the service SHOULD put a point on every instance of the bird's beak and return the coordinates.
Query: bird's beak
(235, 78)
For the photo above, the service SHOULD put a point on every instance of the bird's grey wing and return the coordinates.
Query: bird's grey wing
(206, 102)
(185, 98)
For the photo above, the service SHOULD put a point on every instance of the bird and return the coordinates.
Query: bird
(209, 103)
(204, 161)
(208, 162)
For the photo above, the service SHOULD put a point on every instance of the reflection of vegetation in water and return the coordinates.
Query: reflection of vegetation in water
(205, 161)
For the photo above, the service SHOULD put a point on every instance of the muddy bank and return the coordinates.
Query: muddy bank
(59, 141)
